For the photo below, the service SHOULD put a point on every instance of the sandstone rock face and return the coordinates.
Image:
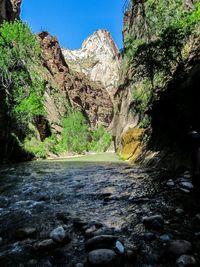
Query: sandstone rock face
(89, 97)
(98, 59)
(9, 9)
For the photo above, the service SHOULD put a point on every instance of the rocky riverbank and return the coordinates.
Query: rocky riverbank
(96, 214)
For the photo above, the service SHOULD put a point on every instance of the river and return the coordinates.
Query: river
(88, 196)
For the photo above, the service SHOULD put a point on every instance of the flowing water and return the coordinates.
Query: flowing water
(89, 190)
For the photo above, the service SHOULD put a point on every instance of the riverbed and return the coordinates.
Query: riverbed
(93, 195)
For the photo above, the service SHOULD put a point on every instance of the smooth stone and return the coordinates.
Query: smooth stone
(58, 234)
(178, 247)
(149, 236)
(186, 261)
(187, 185)
(154, 222)
(165, 238)
(1, 240)
(185, 190)
(90, 231)
(26, 232)
(102, 257)
(119, 248)
(170, 183)
(179, 211)
(44, 245)
(197, 234)
(102, 240)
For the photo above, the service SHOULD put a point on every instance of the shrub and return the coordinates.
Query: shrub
(101, 140)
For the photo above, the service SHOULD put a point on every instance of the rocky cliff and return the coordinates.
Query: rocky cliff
(9, 9)
(159, 76)
(89, 97)
(98, 59)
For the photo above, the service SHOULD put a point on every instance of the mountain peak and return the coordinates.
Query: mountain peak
(98, 59)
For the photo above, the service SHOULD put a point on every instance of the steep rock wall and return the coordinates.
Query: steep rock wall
(91, 98)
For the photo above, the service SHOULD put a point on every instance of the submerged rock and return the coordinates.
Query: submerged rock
(179, 247)
(119, 248)
(58, 234)
(154, 222)
(186, 261)
(103, 257)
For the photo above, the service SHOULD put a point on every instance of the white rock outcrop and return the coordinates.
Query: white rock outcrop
(98, 59)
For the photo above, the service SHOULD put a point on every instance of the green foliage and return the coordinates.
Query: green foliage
(20, 83)
(75, 134)
(155, 45)
(101, 140)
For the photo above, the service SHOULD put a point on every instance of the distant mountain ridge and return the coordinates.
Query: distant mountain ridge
(98, 59)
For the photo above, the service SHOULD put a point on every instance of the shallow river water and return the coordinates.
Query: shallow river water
(99, 193)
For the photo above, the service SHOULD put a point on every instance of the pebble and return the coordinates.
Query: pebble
(185, 190)
(165, 238)
(44, 245)
(58, 234)
(186, 261)
(178, 247)
(149, 236)
(179, 211)
(154, 222)
(90, 231)
(102, 257)
(187, 185)
(170, 183)
(101, 241)
(119, 248)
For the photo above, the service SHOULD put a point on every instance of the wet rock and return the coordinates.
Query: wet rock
(179, 211)
(149, 236)
(119, 248)
(103, 257)
(1, 240)
(153, 222)
(185, 190)
(165, 238)
(26, 232)
(102, 241)
(179, 247)
(58, 234)
(186, 261)
(170, 183)
(44, 245)
(187, 185)
(90, 231)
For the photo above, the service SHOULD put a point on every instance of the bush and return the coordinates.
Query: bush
(75, 133)
(101, 140)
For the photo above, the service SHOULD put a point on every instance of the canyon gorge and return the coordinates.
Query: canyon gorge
(138, 207)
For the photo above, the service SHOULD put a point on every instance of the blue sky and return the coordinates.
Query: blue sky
(72, 21)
